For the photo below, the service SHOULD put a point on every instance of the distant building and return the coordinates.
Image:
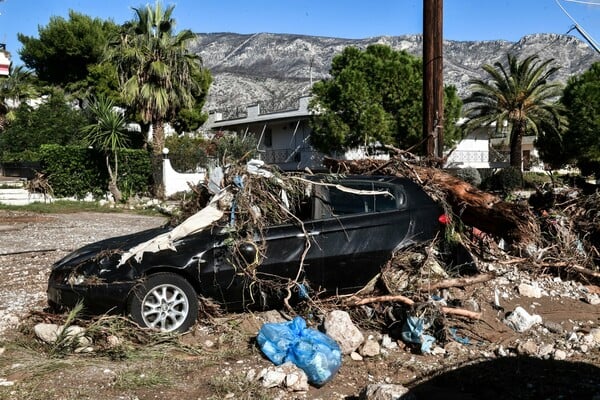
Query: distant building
(283, 136)
(284, 141)
(4, 60)
(489, 147)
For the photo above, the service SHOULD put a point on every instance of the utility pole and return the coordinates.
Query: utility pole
(433, 79)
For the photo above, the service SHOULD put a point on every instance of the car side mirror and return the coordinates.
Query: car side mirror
(249, 253)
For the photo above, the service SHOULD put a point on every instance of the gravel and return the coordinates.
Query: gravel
(31, 243)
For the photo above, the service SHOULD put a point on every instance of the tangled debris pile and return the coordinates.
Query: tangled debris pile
(413, 289)
(476, 288)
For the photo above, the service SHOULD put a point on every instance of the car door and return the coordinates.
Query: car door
(367, 220)
(264, 265)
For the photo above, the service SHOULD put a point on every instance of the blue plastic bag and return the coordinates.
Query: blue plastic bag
(318, 355)
(413, 332)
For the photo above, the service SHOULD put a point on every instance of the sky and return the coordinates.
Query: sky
(353, 19)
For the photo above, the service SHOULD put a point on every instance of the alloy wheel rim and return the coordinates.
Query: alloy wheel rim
(165, 307)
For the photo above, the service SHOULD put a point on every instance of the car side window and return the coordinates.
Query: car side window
(344, 202)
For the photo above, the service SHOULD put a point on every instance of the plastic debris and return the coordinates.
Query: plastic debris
(412, 332)
(459, 339)
(317, 354)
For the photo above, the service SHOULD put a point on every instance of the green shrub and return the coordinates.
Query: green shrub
(135, 172)
(505, 180)
(75, 171)
(26, 155)
(469, 175)
(533, 180)
(186, 153)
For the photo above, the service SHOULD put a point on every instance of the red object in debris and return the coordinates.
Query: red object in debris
(478, 233)
(444, 219)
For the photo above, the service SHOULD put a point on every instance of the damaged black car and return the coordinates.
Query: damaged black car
(340, 231)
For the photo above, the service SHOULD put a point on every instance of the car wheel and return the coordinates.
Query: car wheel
(164, 301)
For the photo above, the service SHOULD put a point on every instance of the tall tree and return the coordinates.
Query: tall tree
(66, 49)
(581, 98)
(373, 95)
(157, 74)
(108, 133)
(54, 121)
(520, 93)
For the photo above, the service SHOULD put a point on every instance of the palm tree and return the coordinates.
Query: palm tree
(158, 77)
(522, 96)
(14, 89)
(109, 134)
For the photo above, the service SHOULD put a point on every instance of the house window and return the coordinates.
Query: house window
(268, 139)
(526, 160)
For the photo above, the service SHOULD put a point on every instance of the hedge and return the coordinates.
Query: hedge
(75, 171)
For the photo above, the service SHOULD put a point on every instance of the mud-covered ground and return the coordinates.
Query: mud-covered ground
(557, 359)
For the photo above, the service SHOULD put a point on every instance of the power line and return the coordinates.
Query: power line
(579, 28)
(589, 3)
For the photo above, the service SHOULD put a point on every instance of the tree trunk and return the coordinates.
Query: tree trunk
(513, 222)
(516, 144)
(158, 143)
(158, 137)
(112, 183)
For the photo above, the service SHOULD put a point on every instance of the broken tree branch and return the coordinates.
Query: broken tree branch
(457, 282)
(410, 302)
(485, 211)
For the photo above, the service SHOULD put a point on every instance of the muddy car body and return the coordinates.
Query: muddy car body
(349, 228)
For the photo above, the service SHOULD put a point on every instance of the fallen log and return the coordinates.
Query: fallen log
(515, 223)
(457, 282)
(409, 302)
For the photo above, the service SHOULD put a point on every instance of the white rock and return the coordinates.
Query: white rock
(355, 356)
(560, 355)
(384, 391)
(4, 382)
(46, 332)
(596, 335)
(530, 290)
(340, 328)
(388, 343)
(251, 375)
(529, 348)
(273, 378)
(296, 381)
(520, 320)
(113, 341)
(287, 375)
(545, 350)
(370, 348)
(592, 298)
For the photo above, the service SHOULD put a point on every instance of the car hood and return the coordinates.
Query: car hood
(117, 244)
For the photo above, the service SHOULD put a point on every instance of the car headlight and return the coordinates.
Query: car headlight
(76, 279)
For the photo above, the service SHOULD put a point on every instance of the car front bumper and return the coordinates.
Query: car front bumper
(97, 298)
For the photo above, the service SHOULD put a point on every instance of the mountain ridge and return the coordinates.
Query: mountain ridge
(276, 69)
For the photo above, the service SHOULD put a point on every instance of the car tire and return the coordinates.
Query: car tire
(164, 301)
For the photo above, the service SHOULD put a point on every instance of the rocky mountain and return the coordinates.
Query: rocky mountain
(276, 69)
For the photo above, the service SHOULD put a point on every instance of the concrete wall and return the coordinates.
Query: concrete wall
(177, 182)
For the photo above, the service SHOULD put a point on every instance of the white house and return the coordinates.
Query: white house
(283, 136)
(488, 147)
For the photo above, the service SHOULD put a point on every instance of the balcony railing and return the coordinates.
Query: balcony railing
(469, 156)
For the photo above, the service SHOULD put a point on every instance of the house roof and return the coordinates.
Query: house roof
(254, 116)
